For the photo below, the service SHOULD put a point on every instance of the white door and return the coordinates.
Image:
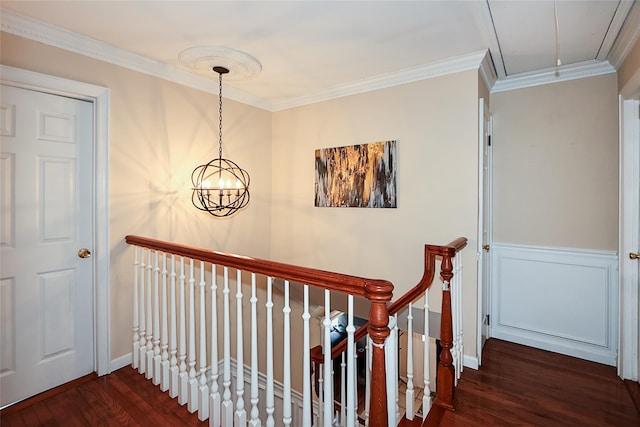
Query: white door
(484, 225)
(46, 289)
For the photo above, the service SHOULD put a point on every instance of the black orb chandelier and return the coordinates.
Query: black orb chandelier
(220, 187)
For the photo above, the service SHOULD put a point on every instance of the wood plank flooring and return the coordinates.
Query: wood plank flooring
(516, 386)
(124, 398)
(522, 386)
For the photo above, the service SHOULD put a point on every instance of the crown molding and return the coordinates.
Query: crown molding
(488, 71)
(554, 75)
(39, 31)
(453, 65)
(627, 37)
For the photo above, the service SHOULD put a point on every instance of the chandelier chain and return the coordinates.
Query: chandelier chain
(220, 116)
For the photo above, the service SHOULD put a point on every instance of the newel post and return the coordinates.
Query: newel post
(379, 293)
(446, 373)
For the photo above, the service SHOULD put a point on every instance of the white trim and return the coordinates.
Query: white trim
(619, 19)
(470, 362)
(485, 23)
(479, 297)
(99, 96)
(120, 362)
(627, 36)
(553, 75)
(488, 71)
(453, 65)
(526, 279)
(628, 357)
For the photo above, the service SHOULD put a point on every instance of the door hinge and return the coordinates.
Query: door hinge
(489, 140)
(488, 320)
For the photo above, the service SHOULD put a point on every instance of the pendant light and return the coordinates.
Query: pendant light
(220, 187)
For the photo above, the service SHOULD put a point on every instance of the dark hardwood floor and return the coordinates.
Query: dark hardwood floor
(522, 386)
(516, 386)
(123, 398)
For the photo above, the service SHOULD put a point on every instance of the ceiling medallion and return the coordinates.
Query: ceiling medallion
(202, 59)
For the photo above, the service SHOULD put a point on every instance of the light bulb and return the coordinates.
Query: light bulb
(221, 183)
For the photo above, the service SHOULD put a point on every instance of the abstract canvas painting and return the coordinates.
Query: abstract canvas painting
(362, 176)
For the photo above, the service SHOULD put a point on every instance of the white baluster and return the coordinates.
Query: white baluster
(203, 388)
(193, 381)
(326, 349)
(454, 327)
(164, 340)
(396, 370)
(142, 347)
(149, 307)
(367, 382)
(241, 414)
(156, 322)
(343, 389)
(458, 284)
(255, 421)
(136, 323)
(286, 399)
(270, 397)
(410, 392)
(227, 405)
(426, 395)
(320, 375)
(173, 340)
(307, 413)
(352, 402)
(183, 391)
(391, 368)
(214, 396)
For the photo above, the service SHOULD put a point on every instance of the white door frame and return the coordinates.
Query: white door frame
(99, 96)
(482, 187)
(628, 354)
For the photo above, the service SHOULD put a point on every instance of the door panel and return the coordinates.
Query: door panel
(46, 292)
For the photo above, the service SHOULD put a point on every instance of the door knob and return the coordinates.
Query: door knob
(633, 255)
(485, 247)
(84, 253)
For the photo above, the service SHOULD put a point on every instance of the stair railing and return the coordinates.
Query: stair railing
(450, 363)
(173, 284)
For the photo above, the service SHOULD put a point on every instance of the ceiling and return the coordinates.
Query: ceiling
(314, 50)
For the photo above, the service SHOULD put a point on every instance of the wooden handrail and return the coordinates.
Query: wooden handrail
(344, 283)
(430, 254)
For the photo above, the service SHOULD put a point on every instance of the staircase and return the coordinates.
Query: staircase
(189, 337)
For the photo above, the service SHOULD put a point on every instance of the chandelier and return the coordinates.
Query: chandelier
(220, 187)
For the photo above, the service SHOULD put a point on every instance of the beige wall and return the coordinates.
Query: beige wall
(555, 164)
(159, 132)
(435, 124)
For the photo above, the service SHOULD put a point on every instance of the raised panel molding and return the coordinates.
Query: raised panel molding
(7, 205)
(556, 299)
(56, 127)
(7, 120)
(7, 326)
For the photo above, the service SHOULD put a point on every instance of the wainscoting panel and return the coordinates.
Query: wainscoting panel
(561, 300)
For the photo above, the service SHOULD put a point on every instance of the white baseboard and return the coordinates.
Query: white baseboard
(470, 362)
(120, 362)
